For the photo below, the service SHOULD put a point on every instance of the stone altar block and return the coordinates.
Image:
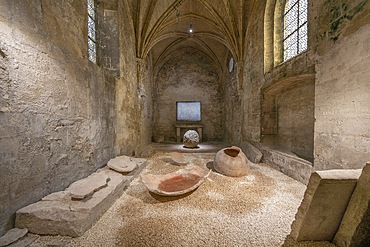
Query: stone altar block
(324, 204)
(354, 229)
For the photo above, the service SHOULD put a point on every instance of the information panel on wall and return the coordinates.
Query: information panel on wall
(188, 111)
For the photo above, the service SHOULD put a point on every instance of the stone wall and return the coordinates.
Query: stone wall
(133, 91)
(337, 60)
(57, 109)
(232, 108)
(187, 76)
(342, 112)
(253, 77)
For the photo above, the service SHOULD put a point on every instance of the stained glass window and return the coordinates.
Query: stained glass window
(295, 28)
(91, 27)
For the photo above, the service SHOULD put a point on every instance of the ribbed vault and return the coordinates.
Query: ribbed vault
(161, 27)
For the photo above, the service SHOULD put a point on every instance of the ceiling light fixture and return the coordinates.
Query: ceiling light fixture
(190, 28)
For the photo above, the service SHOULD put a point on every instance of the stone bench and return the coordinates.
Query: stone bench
(73, 211)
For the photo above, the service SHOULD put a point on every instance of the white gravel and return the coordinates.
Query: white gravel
(253, 210)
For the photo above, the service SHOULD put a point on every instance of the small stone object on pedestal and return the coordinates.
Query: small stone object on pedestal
(191, 139)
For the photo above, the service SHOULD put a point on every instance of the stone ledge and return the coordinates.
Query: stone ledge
(288, 163)
(59, 214)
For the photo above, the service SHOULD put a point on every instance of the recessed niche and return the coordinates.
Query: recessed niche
(288, 116)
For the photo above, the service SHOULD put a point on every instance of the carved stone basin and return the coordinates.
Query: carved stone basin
(176, 183)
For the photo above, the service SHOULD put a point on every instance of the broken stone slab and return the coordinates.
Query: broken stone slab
(58, 214)
(125, 164)
(178, 158)
(57, 196)
(354, 229)
(253, 154)
(12, 235)
(86, 187)
(25, 241)
(324, 203)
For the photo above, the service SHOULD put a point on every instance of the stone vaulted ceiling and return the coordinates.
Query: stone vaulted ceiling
(161, 27)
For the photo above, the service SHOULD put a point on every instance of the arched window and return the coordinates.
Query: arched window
(91, 30)
(295, 28)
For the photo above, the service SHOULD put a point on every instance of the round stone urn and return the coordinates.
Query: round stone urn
(232, 162)
(191, 139)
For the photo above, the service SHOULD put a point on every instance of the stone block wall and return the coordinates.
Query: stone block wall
(187, 76)
(57, 109)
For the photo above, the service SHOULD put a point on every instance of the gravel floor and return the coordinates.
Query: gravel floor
(253, 210)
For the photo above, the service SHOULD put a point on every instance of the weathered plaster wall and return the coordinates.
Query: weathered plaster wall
(342, 112)
(108, 37)
(187, 76)
(56, 107)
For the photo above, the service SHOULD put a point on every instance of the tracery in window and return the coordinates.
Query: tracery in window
(91, 26)
(295, 28)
